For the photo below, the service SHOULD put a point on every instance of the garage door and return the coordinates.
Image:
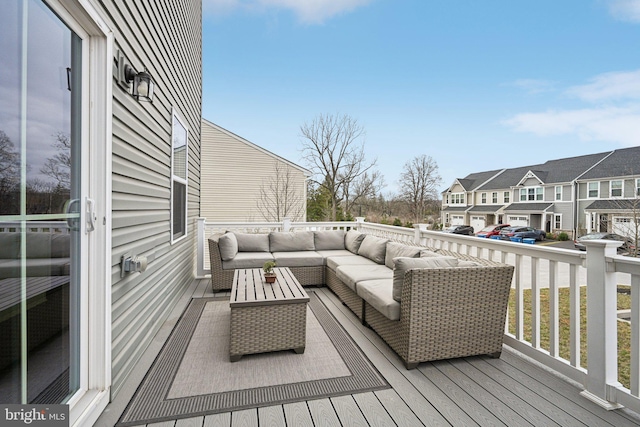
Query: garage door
(478, 223)
(624, 226)
(457, 219)
(518, 221)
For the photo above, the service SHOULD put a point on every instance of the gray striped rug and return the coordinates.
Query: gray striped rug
(155, 400)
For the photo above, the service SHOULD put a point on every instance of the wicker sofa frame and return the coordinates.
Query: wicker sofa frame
(444, 312)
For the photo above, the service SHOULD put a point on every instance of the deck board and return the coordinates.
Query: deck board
(469, 391)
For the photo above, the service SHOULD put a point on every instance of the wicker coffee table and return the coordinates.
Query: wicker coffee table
(267, 317)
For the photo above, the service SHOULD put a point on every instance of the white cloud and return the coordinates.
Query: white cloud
(307, 11)
(625, 10)
(609, 87)
(616, 124)
(534, 86)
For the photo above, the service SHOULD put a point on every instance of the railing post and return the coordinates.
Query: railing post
(286, 224)
(359, 221)
(602, 324)
(200, 250)
(418, 229)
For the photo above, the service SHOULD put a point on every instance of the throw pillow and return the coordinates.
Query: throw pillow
(328, 240)
(228, 245)
(404, 264)
(288, 241)
(395, 250)
(353, 240)
(252, 242)
(374, 248)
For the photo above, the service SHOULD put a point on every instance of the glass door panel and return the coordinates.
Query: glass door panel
(40, 192)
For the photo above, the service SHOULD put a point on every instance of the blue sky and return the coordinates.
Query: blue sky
(476, 85)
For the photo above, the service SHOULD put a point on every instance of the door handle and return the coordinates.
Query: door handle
(70, 209)
(90, 211)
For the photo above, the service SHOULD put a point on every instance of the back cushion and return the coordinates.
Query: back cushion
(352, 240)
(395, 250)
(10, 245)
(404, 264)
(228, 245)
(328, 240)
(252, 242)
(38, 245)
(60, 245)
(285, 241)
(374, 248)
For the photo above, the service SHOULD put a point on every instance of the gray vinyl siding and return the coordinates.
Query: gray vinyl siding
(566, 210)
(233, 171)
(166, 37)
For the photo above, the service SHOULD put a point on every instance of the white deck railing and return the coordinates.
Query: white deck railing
(536, 268)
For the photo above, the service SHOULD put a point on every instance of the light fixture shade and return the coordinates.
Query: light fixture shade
(143, 86)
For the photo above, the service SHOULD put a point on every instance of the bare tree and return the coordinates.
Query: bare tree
(333, 148)
(58, 167)
(419, 183)
(280, 196)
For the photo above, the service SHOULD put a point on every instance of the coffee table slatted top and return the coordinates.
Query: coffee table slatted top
(250, 288)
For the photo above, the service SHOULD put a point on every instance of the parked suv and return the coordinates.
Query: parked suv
(460, 229)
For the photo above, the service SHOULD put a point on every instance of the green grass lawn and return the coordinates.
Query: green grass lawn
(624, 328)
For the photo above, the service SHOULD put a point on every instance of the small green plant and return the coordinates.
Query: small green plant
(397, 222)
(267, 267)
(563, 237)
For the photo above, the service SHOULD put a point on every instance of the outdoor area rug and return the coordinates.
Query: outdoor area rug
(192, 375)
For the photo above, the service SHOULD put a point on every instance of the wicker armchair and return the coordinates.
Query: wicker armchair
(447, 313)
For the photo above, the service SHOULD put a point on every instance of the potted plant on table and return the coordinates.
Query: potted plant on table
(269, 274)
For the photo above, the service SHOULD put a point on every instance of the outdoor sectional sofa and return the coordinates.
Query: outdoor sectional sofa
(426, 304)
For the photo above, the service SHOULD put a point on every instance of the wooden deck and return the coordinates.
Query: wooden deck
(471, 391)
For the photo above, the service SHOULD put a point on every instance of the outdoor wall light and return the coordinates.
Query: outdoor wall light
(142, 82)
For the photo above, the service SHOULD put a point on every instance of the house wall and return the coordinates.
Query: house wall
(166, 38)
(235, 174)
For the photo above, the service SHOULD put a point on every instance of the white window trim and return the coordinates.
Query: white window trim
(555, 221)
(535, 194)
(557, 193)
(175, 114)
(95, 307)
(506, 197)
(483, 198)
(611, 196)
(597, 196)
(637, 187)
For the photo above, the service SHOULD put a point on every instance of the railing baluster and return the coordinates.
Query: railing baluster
(554, 321)
(635, 335)
(574, 314)
(535, 304)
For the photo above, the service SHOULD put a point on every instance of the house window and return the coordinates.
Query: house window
(483, 196)
(558, 192)
(506, 197)
(531, 194)
(179, 179)
(638, 187)
(593, 190)
(457, 199)
(494, 197)
(616, 188)
(557, 222)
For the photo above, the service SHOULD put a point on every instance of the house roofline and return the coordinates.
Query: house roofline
(306, 172)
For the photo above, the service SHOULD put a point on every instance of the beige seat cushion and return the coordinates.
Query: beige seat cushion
(379, 294)
(298, 259)
(247, 260)
(335, 252)
(336, 261)
(350, 275)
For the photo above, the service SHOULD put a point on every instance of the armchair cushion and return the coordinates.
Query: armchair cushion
(379, 293)
(228, 245)
(404, 264)
(298, 259)
(285, 241)
(247, 260)
(373, 248)
(352, 240)
(396, 250)
(326, 240)
(350, 275)
(336, 261)
(252, 242)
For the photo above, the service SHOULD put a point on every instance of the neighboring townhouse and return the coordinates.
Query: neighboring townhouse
(459, 197)
(97, 271)
(244, 182)
(609, 194)
(551, 196)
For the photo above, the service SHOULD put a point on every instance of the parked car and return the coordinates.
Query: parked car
(491, 230)
(524, 232)
(627, 243)
(460, 229)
